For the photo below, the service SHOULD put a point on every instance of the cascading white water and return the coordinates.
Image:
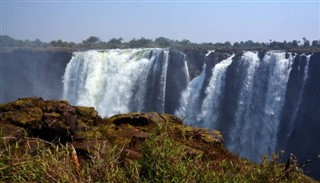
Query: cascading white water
(163, 81)
(190, 98)
(280, 68)
(106, 79)
(253, 135)
(210, 106)
(121, 81)
(242, 124)
(305, 77)
(248, 137)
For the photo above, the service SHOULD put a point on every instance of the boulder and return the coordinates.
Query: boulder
(134, 119)
(10, 133)
(54, 106)
(132, 154)
(24, 116)
(22, 103)
(143, 119)
(87, 114)
(33, 146)
(88, 149)
(35, 123)
(49, 120)
(129, 132)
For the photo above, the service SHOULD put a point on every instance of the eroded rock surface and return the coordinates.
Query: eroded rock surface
(34, 122)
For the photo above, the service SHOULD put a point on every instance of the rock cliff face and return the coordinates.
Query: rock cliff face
(34, 128)
(304, 140)
(58, 122)
(255, 99)
(29, 72)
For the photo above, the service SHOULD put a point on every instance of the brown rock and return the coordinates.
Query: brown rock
(54, 106)
(212, 136)
(87, 114)
(193, 152)
(22, 103)
(171, 119)
(33, 145)
(92, 148)
(25, 116)
(129, 132)
(134, 119)
(132, 154)
(10, 133)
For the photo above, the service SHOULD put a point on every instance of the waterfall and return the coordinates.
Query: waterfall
(213, 94)
(163, 82)
(255, 128)
(253, 131)
(238, 141)
(305, 77)
(190, 98)
(244, 96)
(108, 79)
(277, 80)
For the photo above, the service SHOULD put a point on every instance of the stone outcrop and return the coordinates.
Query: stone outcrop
(34, 122)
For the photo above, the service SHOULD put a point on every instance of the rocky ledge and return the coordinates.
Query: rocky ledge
(36, 137)
(33, 121)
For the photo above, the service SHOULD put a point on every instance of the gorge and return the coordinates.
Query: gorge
(261, 101)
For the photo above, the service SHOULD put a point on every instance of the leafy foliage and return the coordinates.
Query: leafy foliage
(91, 40)
(94, 42)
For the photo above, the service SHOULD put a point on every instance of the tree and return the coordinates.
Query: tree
(37, 42)
(115, 41)
(60, 43)
(236, 44)
(315, 43)
(306, 42)
(7, 41)
(91, 40)
(145, 42)
(185, 42)
(142, 42)
(227, 44)
(163, 42)
(72, 44)
(53, 43)
(249, 43)
(295, 43)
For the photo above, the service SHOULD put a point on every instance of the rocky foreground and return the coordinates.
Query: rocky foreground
(139, 147)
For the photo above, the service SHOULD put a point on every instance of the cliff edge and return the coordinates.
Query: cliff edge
(52, 141)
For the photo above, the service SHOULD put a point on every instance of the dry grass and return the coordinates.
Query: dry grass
(164, 160)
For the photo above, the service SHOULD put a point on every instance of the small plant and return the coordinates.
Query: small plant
(166, 161)
(56, 165)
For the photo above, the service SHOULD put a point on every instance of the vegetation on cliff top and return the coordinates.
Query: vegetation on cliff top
(94, 42)
(51, 141)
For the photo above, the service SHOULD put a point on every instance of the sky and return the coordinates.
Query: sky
(198, 21)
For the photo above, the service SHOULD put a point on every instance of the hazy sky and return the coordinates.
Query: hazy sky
(198, 21)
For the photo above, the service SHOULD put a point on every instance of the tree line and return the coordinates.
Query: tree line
(162, 42)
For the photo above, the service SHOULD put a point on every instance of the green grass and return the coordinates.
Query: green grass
(164, 160)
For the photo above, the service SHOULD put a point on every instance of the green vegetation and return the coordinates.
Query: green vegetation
(164, 160)
(94, 42)
(52, 141)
